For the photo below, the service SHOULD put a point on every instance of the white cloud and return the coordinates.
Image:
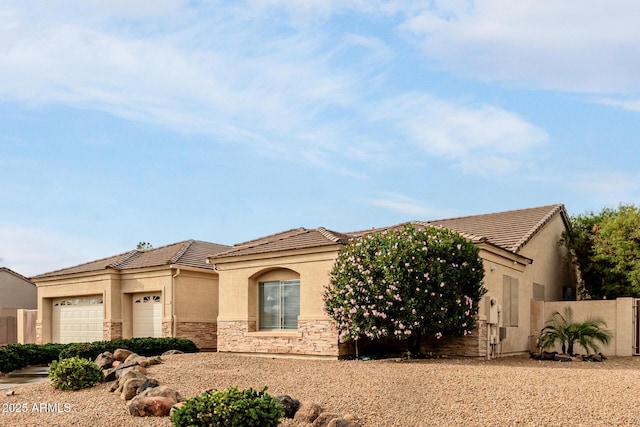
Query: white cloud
(574, 45)
(403, 204)
(481, 139)
(205, 76)
(629, 104)
(31, 251)
(609, 188)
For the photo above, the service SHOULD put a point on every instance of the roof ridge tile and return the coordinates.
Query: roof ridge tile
(175, 258)
(128, 256)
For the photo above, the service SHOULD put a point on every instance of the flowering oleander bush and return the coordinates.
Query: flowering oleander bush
(406, 283)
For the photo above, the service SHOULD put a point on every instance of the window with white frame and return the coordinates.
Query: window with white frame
(279, 305)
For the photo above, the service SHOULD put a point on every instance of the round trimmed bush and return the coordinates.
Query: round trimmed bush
(74, 373)
(230, 408)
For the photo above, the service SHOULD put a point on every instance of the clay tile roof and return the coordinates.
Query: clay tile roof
(510, 230)
(297, 238)
(191, 253)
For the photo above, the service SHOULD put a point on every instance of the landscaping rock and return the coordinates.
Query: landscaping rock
(121, 370)
(148, 384)
(162, 391)
(170, 352)
(562, 358)
(307, 412)
(150, 406)
(130, 388)
(105, 360)
(121, 354)
(324, 418)
(128, 376)
(290, 405)
(116, 363)
(174, 407)
(342, 422)
(142, 360)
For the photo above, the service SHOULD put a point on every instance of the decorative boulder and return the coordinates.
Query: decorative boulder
(150, 406)
(324, 418)
(128, 376)
(142, 360)
(170, 352)
(121, 354)
(290, 405)
(174, 407)
(162, 391)
(342, 422)
(149, 383)
(307, 412)
(105, 360)
(563, 358)
(130, 388)
(120, 370)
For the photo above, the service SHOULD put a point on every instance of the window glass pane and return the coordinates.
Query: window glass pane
(290, 304)
(270, 305)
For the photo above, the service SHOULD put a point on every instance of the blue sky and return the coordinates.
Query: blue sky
(128, 121)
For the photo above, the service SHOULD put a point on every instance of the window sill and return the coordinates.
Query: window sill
(274, 334)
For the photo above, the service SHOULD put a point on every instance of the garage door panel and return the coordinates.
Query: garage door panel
(77, 319)
(147, 315)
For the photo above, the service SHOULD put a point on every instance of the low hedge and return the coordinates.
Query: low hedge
(141, 346)
(17, 356)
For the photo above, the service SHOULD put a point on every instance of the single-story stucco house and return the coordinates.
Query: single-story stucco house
(270, 289)
(16, 292)
(264, 296)
(168, 291)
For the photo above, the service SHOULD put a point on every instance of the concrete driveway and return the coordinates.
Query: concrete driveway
(32, 374)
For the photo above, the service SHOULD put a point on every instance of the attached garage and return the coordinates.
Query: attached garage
(77, 319)
(147, 315)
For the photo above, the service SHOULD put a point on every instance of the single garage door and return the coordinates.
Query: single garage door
(77, 319)
(147, 315)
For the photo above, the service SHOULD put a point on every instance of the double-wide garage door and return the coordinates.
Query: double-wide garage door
(77, 319)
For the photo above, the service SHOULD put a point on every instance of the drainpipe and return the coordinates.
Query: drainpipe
(173, 303)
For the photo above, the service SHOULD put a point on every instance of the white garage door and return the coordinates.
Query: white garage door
(147, 315)
(77, 319)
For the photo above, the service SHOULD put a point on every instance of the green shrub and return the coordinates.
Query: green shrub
(230, 408)
(75, 373)
(141, 346)
(17, 356)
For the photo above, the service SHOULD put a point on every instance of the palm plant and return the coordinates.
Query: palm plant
(562, 328)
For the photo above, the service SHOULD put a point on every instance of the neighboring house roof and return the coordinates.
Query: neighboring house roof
(509, 230)
(18, 275)
(191, 253)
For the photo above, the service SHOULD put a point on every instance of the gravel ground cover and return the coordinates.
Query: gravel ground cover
(514, 391)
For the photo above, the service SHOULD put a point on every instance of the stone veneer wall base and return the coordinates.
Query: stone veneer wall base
(315, 338)
(111, 331)
(203, 334)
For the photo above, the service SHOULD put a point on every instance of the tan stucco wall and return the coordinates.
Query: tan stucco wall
(238, 283)
(77, 285)
(549, 268)
(152, 280)
(16, 293)
(617, 314)
(196, 300)
(238, 311)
